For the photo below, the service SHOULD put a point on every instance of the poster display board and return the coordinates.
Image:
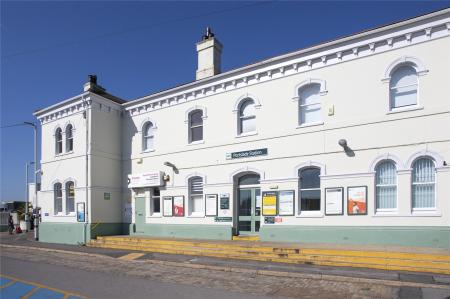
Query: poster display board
(211, 205)
(286, 203)
(269, 203)
(167, 206)
(80, 212)
(334, 201)
(178, 206)
(357, 200)
(224, 205)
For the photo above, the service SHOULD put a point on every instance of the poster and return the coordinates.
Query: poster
(178, 206)
(211, 205)
(269, 202)
(80, 212)
(334, 201)
(167, 206)
(357, 200)
(286, 203)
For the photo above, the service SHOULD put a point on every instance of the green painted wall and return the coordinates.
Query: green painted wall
(3, 228)
(438, 237)
(76, 233)
(212, 232)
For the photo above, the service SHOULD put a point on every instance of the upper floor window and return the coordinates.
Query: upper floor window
(247, 117)
(423, 184)
(310, 107)
(403, 87)
(196, 126)
(147, 136)
(309, 189)
(58, 141)
(69, 138)
(70, 197)
(57, 194)
(386, 185)
(195, 195)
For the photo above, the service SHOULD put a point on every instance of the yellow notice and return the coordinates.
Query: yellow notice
(269, 205)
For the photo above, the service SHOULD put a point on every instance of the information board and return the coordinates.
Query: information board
(269, 203)
(334, 201)
(286, 203)
(167, 206)
(357, 200)
(178, 206)
(211, 205)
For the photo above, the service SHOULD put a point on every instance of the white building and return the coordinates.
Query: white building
(343, 142)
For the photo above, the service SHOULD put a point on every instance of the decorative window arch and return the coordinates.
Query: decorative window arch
(398, 163)
(423, 183)
(148, 135)
(238, 102)
(58, 141)
(322, 167)
(243, 170)
(385, 185)
(195, 123)
(323, 87)
(196, 107)
(69, 137)
(57, 198)
(413, 61)
(438, 160)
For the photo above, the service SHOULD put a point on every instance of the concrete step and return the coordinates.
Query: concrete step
(410, 262)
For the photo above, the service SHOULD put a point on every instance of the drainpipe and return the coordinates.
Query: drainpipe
(86, 219)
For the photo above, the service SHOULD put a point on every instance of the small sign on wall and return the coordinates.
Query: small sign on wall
(81, 212)
(269, 202)
(167, 206)
(178, 206)
(334, 201)
(211, 205)
(106, 196)
(286, 203)
(357, 200)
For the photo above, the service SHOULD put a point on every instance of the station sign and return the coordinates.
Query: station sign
(247, 154)
(147, 179)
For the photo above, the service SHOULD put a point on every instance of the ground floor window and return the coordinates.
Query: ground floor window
(57, 193)
(195, 196)
(309, 189)
(155, 202)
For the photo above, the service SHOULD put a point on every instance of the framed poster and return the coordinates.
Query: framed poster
(80, 212)
(357, 200)
(211, 205)
(167, 206)
(178, 206)
(269, 203)
(334, 201)
(286, 203)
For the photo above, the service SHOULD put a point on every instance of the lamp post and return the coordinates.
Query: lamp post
(36, 219)
(27, 203)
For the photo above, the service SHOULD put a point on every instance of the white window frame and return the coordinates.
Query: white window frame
(200, 213)
(307, 214)
(57, 141)
(67, 197)
(242, 118)
(69, 139)
(430, 209)
(151, 213)
(145, 137)
(391, 88)
(57, 198)
(296, 98)
(389, 210)
(190, 127)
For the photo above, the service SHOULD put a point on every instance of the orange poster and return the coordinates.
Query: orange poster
(357, 200)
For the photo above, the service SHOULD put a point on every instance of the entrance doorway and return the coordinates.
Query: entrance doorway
(139, 214)
(248, 204)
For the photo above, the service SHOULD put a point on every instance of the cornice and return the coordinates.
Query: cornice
(347, 49)
(80, 104)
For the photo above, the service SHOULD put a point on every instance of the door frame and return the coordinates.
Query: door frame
(142, 201)
(253, 218)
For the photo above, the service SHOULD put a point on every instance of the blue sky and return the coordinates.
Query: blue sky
(137, 48)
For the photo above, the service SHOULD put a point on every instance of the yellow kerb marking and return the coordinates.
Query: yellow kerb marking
(7, 284)
(30, 293)
(41, 286)
(131, 256)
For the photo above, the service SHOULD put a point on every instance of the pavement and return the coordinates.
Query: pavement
(235, 275)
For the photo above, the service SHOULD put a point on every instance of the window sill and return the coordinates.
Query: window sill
(426, 212)
(310, 125)
(63, 215)
(317, 214)
(386, 213)
(247, 134)
(196, 142)
(196, 216)
(405, 109)
(155, 216)
(63, 154)
(148, 151)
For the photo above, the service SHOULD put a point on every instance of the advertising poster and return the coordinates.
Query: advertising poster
(80, 212)
(178, 206)
(357, 200)
(334, 201)
(269, 201)
(211, 205)
(167, 206)
(286, 203)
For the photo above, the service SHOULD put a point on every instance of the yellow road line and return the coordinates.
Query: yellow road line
(30, 293)
(131, 256)
(43, 286)
(7, 284)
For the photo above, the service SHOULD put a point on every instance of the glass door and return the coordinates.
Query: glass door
(249, 211)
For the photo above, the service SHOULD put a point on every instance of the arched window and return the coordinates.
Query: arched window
(403, 87)
(195, 126)
(309, 189)
(386, 185)
(57, 194)
(195, 195)
(423, 184)
(69, 138)
(58, 141)
(70, 197)
(310, 107)
(147, 136)
(247, 117)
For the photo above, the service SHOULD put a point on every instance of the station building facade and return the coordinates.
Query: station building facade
(344, 142)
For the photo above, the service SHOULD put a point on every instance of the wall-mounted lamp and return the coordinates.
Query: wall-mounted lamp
(348, 151)
(343, 143)
(171, 165)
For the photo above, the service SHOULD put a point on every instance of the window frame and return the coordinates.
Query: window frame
(148, 125)
(67, 197)
(391, 88)
(69, 138)
(200, 213)
(152, 196)
(301, 107)
(58, 141)
(309, 213)
(191, 126)
(434, 183)
(385, 210)
(57, 197)
(241, 118)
